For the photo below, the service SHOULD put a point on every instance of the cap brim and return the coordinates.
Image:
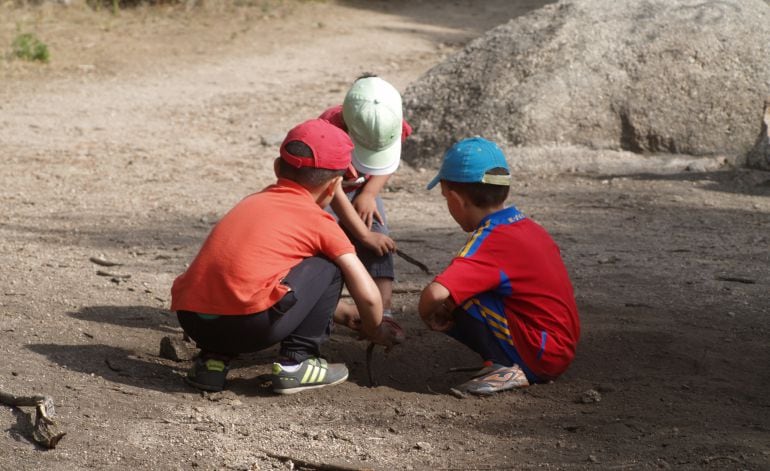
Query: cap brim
(351, 172)
(434, 182)
(380, 162)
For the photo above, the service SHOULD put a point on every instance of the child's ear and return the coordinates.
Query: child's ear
(276, 167)
(455, 198)
(333, 185)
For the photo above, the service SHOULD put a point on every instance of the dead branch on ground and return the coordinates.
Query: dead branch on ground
(45, 431)
(313, 465)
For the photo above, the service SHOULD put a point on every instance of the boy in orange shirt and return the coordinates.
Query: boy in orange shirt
(272, 271)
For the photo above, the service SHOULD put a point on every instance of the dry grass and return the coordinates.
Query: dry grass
(80, 35)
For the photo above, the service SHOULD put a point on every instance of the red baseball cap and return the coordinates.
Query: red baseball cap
(331, 146)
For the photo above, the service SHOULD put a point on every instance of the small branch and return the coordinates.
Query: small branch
(312, 465)
(104, 263)
(113, 275)
(406, 290)
(369, 368)
(45, 430)
(111, 366)
(463, 369)
(737, 279)
(413, 261)
(709, 459)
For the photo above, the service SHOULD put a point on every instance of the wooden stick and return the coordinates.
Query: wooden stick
(104, 263)
(45, 431)
(369, 368)
(413, 261)
(406, 290)
(461, 369)
(312, 465)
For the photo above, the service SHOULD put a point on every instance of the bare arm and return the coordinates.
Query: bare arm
(436, 306)
(375, 184)
(364, 292)
(365, 204)
(349, 218)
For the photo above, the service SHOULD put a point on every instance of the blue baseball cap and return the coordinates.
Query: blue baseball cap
(469, 160)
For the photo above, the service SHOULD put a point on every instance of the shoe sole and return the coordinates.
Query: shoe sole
(305, 388)
(204, 387)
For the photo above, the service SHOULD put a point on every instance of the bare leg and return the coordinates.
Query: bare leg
(385, 285)
(346, 314)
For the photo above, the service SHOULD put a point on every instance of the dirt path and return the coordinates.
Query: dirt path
(145, 128)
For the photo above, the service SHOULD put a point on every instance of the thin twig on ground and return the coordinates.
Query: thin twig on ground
(369, 367)
(313, 465)
(413, 261)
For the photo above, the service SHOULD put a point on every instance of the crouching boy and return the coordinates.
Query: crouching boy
(506, 294)
(272, 270)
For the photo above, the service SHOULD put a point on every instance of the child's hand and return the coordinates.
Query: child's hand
(441, 320)
(439, 323)
(389, 333)
(347, 315)
(379, 243)
(366, 207)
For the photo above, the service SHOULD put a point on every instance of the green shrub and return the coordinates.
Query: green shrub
(28, 47)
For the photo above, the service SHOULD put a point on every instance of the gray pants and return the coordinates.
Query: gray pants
(301, 321)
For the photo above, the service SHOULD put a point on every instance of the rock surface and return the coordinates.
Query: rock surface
(674, 77)
(759, 157)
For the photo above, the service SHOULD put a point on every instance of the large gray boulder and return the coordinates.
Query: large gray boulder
(759, 156)
(653, 76)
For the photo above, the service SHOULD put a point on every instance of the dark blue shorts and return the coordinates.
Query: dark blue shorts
(379, 266)
(480, 324)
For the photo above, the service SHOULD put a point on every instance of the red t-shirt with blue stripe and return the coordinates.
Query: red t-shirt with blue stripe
(516, 260)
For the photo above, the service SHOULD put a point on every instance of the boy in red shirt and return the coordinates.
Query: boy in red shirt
(506, 294)
(272, 271)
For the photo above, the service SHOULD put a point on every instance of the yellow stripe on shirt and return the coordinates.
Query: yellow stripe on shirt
(498, 323)
(473, 238)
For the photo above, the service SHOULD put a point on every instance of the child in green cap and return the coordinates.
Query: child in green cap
(372, 115)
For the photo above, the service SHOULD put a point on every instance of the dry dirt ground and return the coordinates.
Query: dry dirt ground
(148, 125)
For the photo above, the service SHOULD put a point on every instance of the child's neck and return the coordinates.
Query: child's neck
(476, 214)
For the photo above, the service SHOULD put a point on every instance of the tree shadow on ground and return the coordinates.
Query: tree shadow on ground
(116, 365)
(719, 399)
(119, 365)
(21, 431)
(397, 369)
(737, 181)
(130, 316)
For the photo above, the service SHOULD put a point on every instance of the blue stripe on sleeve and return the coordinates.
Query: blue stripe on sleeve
(543, 338)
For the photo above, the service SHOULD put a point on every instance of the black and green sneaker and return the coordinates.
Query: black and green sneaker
(310, 374)
(208, 374)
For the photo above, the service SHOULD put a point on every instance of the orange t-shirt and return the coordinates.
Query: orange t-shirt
(242, 262)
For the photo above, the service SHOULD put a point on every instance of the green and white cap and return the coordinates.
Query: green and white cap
(373, 114)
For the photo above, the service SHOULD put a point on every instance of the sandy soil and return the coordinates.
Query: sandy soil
(150, 124)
